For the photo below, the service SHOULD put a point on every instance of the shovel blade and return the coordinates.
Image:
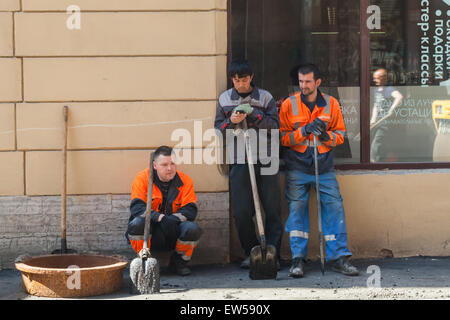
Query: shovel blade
(263, 263)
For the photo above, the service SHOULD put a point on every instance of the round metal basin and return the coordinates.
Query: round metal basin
(71, 275)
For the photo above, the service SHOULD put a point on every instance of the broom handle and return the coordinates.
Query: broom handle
(256, 199)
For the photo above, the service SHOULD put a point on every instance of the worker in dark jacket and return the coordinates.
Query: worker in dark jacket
(246, 102)
(174, 209)
(304, 114)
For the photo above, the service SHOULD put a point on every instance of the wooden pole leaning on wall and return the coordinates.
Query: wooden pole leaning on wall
(64, 180)
(64, 249)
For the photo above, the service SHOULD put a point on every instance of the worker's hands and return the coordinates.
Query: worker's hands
(320, 126)
(180, 216)
(317, 127)
(176, 217)
(237, 117)
(244, 108)
(240, 113)
(324, 137)
(169, 226)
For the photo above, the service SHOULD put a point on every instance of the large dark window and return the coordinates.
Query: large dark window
(279, 35)
(409, 51)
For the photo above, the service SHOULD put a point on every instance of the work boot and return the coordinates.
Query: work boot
(246, 263)
(296, 270)
(343, 265)
(178, 265)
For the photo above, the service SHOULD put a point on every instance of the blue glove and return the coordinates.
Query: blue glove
(310, 128)
(317, 127)
(324, 137)
(320, 126)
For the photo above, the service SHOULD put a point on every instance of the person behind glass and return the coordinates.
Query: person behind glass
(308, 113)
(386, 100)
(245, 102)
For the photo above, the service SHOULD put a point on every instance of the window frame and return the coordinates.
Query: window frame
(365, 81)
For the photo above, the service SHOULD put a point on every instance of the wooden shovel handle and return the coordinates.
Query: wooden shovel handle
(64, 173)
(251, 170)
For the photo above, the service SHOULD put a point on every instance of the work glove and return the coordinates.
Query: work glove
(179, 216)
(317, 127)
(174, 217)
(324, 137)
(320, 126)
(244, 108)
(154, 216)
(170, 227)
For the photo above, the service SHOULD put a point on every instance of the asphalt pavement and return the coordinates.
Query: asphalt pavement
(410, 278)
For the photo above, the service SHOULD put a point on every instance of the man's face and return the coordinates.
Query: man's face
(243, 84)
(307, 83)
(379, 78)
(165, 167)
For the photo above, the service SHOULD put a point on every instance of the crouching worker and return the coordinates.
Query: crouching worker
(174, 210)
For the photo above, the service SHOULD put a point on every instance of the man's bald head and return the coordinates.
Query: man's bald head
(380, 77)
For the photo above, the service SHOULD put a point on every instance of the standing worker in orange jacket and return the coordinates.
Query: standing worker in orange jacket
(174, 209)
(303, 115)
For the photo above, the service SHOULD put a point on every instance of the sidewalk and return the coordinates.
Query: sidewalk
(401, 278)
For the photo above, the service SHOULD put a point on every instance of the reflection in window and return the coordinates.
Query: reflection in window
(409, 67)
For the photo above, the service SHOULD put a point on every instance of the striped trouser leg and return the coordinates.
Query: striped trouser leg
(297, 224)
(185, 248)
(189, 235)
(137, 242)
(333, 218)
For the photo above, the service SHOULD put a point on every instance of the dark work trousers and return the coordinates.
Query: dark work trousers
(244, 210)
(165, 233)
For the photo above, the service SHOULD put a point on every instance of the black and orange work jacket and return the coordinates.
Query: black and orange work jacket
(298, 146)
(181, 197)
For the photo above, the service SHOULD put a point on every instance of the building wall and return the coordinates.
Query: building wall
(133, 73)
(405, 211)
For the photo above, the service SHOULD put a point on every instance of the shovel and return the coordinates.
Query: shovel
(144, 270)
(64, 249)
(319, 208)
(263, 258)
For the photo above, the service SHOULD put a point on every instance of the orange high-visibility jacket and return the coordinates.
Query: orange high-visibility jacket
(181, 195)
(294, 115)
(181, 199)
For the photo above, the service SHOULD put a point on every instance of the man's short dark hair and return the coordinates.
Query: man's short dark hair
(240, 67)
(308, 68)
(163, 151)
